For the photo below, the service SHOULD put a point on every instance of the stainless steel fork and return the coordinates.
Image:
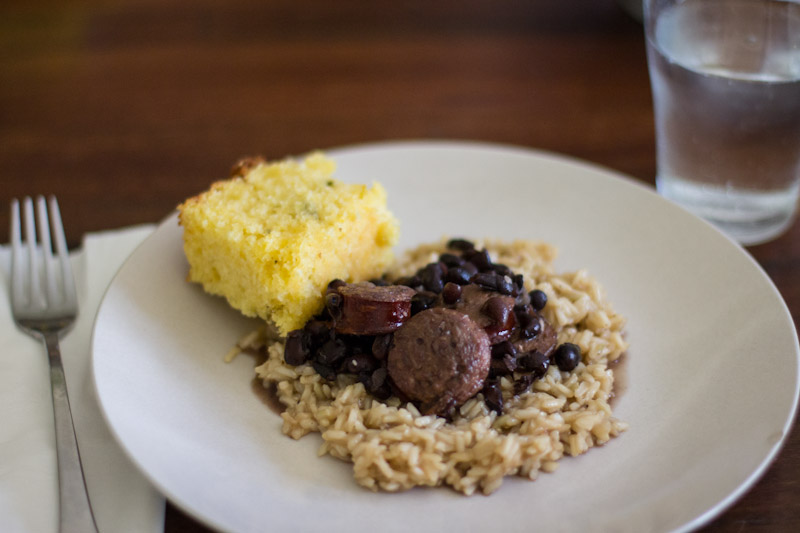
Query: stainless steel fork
(45, 305)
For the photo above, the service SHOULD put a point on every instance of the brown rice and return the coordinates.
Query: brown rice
(393, 447)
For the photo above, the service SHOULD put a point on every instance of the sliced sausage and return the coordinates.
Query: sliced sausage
(439, 359)
(368, 309)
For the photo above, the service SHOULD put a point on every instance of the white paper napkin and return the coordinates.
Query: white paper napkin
(121, 497)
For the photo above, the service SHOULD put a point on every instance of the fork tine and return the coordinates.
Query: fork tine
(47, 251)
(68, 282)
(34, 291)
(17, 272)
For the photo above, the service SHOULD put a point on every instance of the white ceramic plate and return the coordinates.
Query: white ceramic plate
(712, 375)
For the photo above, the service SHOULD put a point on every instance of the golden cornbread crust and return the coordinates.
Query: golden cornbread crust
(270, 239)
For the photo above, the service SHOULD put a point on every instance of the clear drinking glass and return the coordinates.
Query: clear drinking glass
(725, 76)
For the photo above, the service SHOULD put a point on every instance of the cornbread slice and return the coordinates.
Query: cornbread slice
(270, 240)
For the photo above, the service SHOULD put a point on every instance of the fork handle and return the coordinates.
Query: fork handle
(75, 511)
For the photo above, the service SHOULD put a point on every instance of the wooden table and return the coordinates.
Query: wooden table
(122, 108)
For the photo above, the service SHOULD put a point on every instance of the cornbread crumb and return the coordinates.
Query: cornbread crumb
(270, 240)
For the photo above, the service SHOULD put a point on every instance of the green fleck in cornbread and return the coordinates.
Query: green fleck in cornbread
(270, 240)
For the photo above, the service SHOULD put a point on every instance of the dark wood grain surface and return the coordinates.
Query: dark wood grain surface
(122, 108)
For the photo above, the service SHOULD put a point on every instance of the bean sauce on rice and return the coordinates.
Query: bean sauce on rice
(511, 374)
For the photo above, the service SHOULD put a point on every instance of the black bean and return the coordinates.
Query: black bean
(504, 285)
(532, 329)
(451, 293)
(432, 277)
(332, 352)
(335, 284)
(326, 371)
(360, 363)
(380, 346)
(318, 331)
(357, 343)
(451, 260)
(383, 393)
(296, 350)
(324, 315)
(459, 274)
(449, 410)
(567, 356)
(538, 299)
(377, 379)
(470, 268)
(333, 303)
(519, 283)
(487, 280)
(503, 366)
(498, 309)
(317, 328)
(527, 320)
(502, 269)
(379, 282)
(422, 301)
(510, 362)
(523, 383)
(493, 396)
(461, 245)
(504, 348)
(415, 282)
(524, 314)
(535, 362)
(481, 260)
